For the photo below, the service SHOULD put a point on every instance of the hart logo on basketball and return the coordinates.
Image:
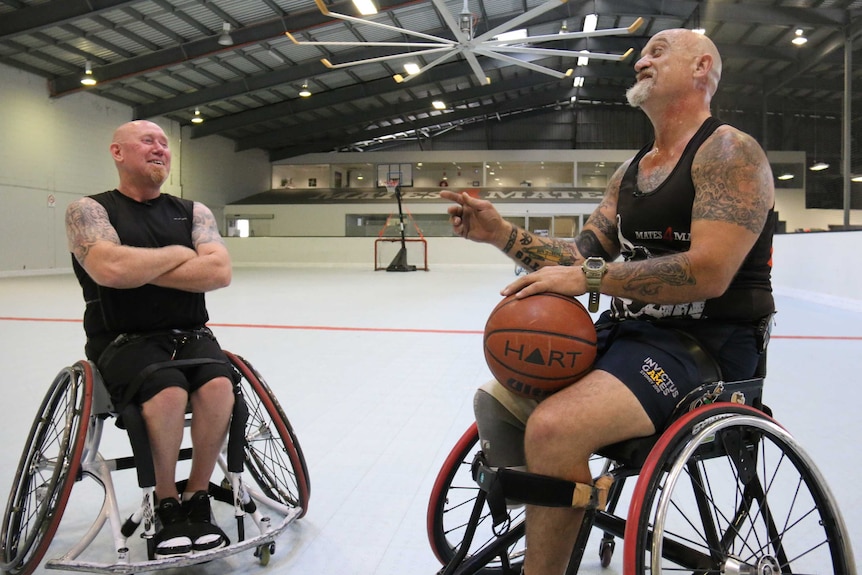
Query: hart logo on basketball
(539, 344)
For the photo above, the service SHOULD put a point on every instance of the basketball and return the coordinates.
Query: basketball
(539, 344)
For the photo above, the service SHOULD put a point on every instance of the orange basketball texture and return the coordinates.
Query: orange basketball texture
(539, 344)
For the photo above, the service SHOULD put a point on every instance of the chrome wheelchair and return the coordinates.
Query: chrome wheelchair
(724, 489)
(62, 449)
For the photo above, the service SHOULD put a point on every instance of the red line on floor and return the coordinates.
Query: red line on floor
(393, 329)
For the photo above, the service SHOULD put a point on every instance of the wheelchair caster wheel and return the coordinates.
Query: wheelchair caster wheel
(606, 551)
(264, 552)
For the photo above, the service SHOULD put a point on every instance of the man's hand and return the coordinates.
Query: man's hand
(476, 219)
(565, 280)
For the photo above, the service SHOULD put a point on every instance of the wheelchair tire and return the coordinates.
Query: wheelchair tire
(47, 470)
(727, 489)
(273, 456)
(451, 503)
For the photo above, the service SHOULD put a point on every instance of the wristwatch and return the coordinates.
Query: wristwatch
(594, 269)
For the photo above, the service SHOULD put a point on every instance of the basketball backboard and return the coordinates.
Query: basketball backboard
(388, 173)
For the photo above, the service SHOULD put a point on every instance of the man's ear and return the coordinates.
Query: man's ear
(116, 152)
(703, 64)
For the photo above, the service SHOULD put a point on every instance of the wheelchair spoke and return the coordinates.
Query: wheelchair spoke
(739, 496)
(271, 452)
(47, 470)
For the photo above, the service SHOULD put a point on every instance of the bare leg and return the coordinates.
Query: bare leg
(562, 433)
(212, 405)
(164, 415)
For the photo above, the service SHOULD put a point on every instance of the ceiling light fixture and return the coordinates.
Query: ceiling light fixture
(439, 104)
(818, 166)
(87, 79)
(785, 177)
(305, 92)
(856, 179)
(469, 45)
(197, 118)
(225, 39)
(411, 68)
(365, 7)
(800, 38)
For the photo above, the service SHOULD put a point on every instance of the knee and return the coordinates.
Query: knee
(169, 398)
(552, 442)
(543, 430)
(218, 391)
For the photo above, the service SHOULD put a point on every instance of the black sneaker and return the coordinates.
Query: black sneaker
(205, 534)
(172, 538)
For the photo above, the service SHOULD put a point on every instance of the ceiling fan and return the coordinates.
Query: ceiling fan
(470, 46)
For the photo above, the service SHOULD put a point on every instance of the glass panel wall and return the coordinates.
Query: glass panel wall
(513, 180)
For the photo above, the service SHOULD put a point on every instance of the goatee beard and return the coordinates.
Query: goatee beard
(637, 94)
(158, 175)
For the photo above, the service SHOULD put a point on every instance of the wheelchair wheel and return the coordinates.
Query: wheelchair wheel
(47, 470)
(451, 503)
(273, 456)
(728, 490)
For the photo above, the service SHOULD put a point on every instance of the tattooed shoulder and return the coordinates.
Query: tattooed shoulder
(204, 228)
(733, 180)
(87, 223)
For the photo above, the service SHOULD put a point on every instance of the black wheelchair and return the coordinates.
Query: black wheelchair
(724, 489)
(63, 449)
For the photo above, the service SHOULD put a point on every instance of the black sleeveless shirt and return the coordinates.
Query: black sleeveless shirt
(166, 220)
(658, 223)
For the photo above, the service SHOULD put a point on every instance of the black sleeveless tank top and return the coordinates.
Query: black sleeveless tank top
(658, 223)
(166, 220)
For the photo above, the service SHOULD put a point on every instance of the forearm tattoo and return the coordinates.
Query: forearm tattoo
(204, 228)
(589, 245)
(604, 225)
(87, 223)
(513, 235)
(647, 278)
(536, 251)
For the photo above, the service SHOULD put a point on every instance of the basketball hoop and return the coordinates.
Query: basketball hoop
(392, 185)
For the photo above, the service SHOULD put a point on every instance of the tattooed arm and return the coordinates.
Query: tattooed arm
(211, 269)
(598, 238)
(733, 195)
(479, 221)
(96, 246)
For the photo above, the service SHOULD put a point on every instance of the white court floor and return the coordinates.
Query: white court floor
(376, 372)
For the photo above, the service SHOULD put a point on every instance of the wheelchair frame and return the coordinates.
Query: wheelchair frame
(63, 448)
(743, 528)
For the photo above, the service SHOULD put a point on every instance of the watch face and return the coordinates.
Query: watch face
(594, 264)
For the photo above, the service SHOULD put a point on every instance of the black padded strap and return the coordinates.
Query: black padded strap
(505, 484)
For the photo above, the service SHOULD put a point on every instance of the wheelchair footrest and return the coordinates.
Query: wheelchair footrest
(513, 485)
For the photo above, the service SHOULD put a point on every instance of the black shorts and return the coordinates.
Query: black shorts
(128, 356)
(655, 362)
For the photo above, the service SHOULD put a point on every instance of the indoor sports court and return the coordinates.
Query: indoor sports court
(378, 382)
(320, 134)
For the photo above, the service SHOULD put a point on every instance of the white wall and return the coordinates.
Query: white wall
(56, 150)
(821, 267)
